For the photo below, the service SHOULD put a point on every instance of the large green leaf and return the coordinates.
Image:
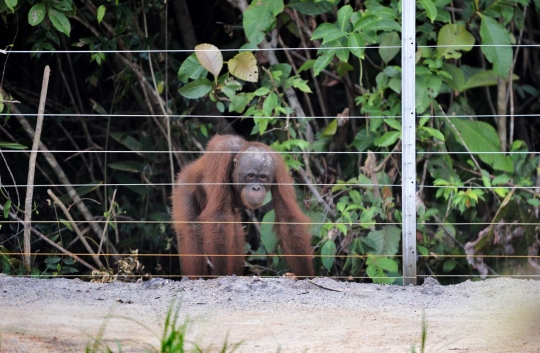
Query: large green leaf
(344, 17)
(11, 4)
(431, 9)
(466, 77)
(389, 40)
(356, 44)
(268, 238)
(191, 68)
(377, 268)
(427, 87)
(322, 62)
(59, 21)
(482, 137)
(385, 240)
(259, 17)
(328, 32)
(196, 89)
(36, 14)
(497, 52)
(328, 252)
(453, 38)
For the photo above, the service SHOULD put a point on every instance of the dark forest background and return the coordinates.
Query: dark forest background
(477, 90)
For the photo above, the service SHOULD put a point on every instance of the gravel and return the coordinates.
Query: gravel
(271, 314)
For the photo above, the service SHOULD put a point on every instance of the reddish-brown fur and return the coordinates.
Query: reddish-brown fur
(207, 217)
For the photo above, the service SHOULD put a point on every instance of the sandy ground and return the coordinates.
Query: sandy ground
(270, 315)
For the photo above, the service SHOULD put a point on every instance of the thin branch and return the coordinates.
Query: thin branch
(32, 169)
(75, 228)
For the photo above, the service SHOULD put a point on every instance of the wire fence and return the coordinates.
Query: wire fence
(409, 202)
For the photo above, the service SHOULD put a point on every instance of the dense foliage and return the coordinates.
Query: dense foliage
(335, 93)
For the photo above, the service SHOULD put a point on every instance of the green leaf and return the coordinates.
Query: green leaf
(7, 208)
(322, 62)
(453, 38)
(377, 268)
(501, 179)
(482, 137)
(427, 87)
(312, 7)
(386, 240)
(431, 9)
(244, 66)
(328, 252)
(268, 238)
(83, 190)
(62, 5)
(344, 17)
(101, 13)
(331, 129)
(12, 145)
(191, 68)
(59, 21)
(433, 133)
(363, 140)
(36, 14)
(11, 4)
(449, 265)
(261, 92)
(395, 84)
(259, 17)
(389, 138)
(498, 53)
(356, 44)
(127, 141)
(128, 166)
(389, 40)
(239, 103)
(196, 89)
(67, 224)
(365, 22)
(393, 123)
(328, 32)
(385, 25)
(306, 66)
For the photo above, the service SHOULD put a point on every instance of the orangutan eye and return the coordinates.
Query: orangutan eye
(262, 177)
(250, 176)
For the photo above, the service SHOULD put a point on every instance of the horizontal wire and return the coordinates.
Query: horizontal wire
(273, 184)
(96, 115)
(194, 184)
(99, 275)
(189, 152)
(272, 255)
(285, 223)
(270, 152)
(259, 49)
(206, 222)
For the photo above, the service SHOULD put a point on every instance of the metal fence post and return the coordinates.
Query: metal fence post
(408, 122)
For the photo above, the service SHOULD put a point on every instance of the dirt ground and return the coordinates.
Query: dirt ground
(270, 315)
